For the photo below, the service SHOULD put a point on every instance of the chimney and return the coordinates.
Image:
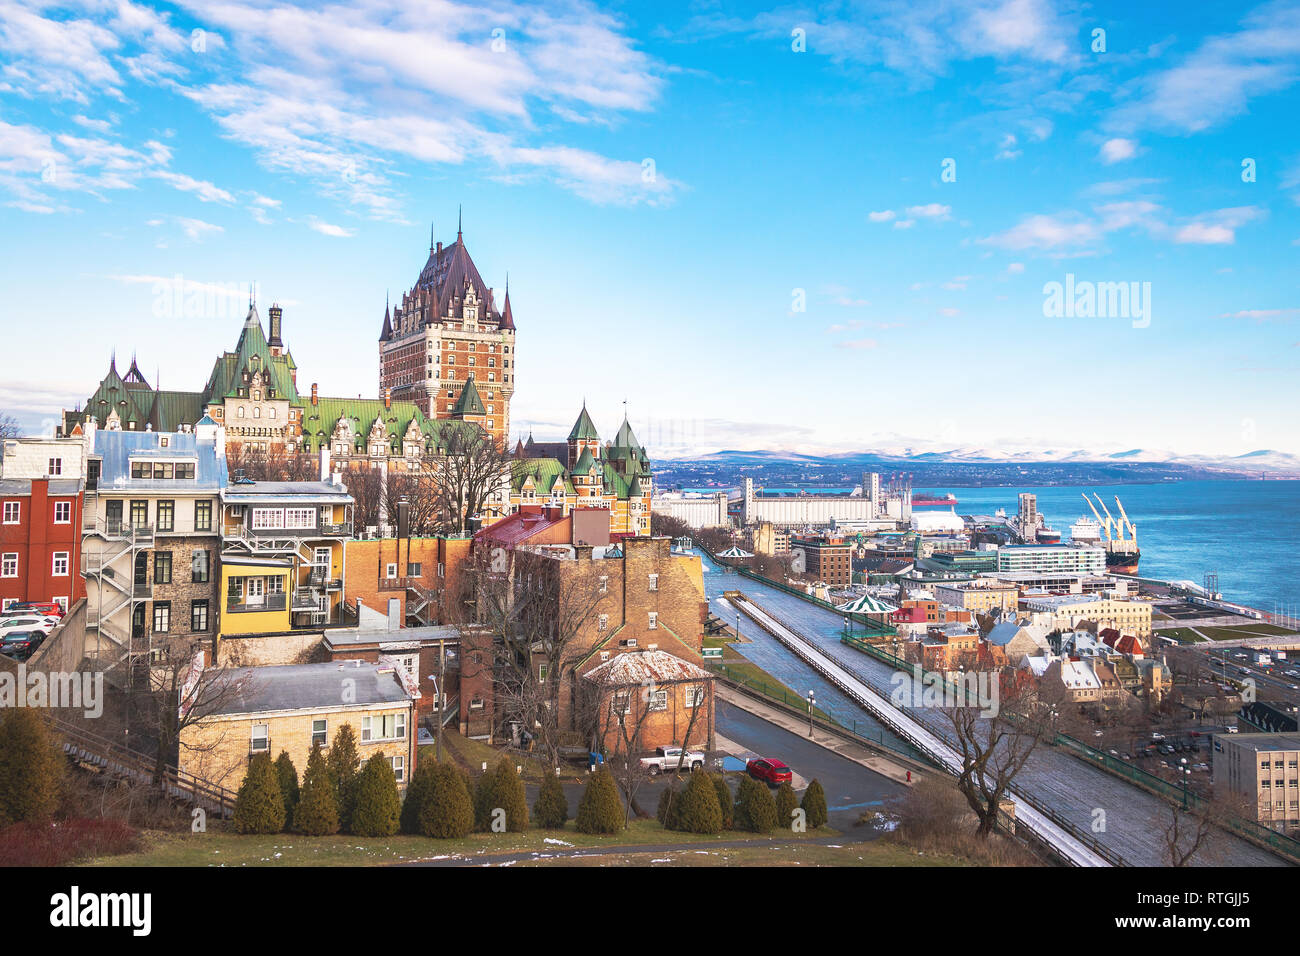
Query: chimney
(274, 342)
(388, 398)
(440, 248)
(313, 393)
(324, 462)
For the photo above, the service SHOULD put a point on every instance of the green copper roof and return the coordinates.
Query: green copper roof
(585, 462)
(469, 403)
(583, 428)
(625, 438)
(252, 354)
(543, 471)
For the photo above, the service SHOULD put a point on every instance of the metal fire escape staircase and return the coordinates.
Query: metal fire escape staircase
(117, 589)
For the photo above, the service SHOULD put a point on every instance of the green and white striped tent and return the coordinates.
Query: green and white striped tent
(734, 552)
(866, 605)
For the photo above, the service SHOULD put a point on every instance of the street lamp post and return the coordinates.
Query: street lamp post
(812, 702)
(1184, 773)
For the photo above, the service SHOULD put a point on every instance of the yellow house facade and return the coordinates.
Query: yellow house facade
(283, 559)
(292, 707)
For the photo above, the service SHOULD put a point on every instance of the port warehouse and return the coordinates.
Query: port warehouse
(870, 506)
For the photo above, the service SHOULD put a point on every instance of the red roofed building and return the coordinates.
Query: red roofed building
(1125, 644)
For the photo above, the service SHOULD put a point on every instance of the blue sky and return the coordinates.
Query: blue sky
(752, 244)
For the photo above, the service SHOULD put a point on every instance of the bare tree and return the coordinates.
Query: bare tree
(9, 427)
(534, 610)
(365, 484)
(473, 466)
(171, 693)
(995, 746)
(1188, 833)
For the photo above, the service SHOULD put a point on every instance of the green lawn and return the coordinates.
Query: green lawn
(1246, 632)
(286, 849)
(740, 667)
(878, 853)
(1183, 635)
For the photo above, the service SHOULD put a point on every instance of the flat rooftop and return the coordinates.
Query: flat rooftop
(289, 687)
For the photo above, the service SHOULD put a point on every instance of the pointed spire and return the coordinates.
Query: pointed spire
(433, 244)
(507, 317)
(458, 221)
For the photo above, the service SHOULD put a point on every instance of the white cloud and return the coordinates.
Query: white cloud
(905, 224)
(1015, 268)
(883, 215)
(1117, 150)
(1217, 81)
(932, 210)
(196, 229)
(329, 229)
(1217, 228)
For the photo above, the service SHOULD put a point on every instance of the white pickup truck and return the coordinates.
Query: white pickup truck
(667, 760)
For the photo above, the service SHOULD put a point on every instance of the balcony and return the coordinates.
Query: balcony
(305, 600)
(342, 530)
(271, 602)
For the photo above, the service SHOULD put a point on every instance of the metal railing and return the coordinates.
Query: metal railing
(272, 602)
(112, 757)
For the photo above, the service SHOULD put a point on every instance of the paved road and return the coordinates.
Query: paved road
(1054, 779)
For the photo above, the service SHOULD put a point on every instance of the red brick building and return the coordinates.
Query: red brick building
(829, 559)
(40, 540)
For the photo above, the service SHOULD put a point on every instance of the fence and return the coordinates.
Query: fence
(778, 694)
(1256, 833)
(112, 757)
(867, 623)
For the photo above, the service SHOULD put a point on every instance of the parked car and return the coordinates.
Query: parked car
(27, 623)
(768, 770)
(50, 608)
(21, 645)
(668, 759)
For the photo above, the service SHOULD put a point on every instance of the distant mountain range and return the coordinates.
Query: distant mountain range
(1250, 463)
(966, 465)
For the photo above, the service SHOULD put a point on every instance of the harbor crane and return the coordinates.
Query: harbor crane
(1132, 528)
(1104, 522)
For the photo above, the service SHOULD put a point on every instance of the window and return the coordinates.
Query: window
(13, 511)
(139, 514)
(162, 567)
(319, 728)
(265, 518)
(654, 582)
(300, 518)
(185, 469)
(166, 515)
(414, 569)
(693, 696)
(659, 700)
(602, 622)
(60, 569)
(399, 767)
(261, 741)
(56, 467)
(63, 512)
(476, 703)
(162, 617)
(541, 673)
(654, 620)
(141, 469)
(198, 616)
(604, 584)
(203, 516)
(621, 703)
(390, 571)
(62, 602)
(9, 565)
(162, 470)
(383, 727)
(200, 567)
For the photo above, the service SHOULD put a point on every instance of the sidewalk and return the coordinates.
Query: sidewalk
(894, 770)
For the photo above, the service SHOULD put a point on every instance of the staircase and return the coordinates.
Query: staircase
(111, 758)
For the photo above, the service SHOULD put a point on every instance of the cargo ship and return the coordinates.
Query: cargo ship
(948, 500)
(1118, 537)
